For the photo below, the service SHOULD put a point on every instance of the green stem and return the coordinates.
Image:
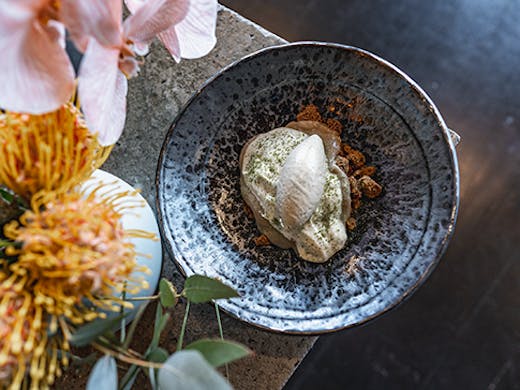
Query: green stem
(133, 325)
(219, 322)
(150, 298)
(221, 334)
(124, 357)
(130, 374)
(123, 319)
(183, 328)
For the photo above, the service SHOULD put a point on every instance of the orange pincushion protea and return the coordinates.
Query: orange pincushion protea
(71, 258)
(74, 249)
(51, 152)
(25, 346)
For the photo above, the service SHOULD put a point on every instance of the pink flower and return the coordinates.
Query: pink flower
(36, 75)
(194, 36)
(109, 61)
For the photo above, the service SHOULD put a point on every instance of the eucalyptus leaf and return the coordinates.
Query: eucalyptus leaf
(90, 332)
(200, 289)
(157, 355)
(188, 370)
(167, 293)
(219, 352)
(103, 375)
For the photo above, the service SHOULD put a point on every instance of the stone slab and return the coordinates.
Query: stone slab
(154, 99)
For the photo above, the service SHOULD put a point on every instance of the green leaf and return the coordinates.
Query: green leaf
(188, 370)
(6, 195)
(13, 199)
(161, 319)
(103, 375)
(158, 355)
(219, 352)
(167, 293)
(88, 333)
(200, 289)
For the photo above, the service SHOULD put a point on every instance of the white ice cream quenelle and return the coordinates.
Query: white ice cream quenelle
(300, 198)
(301, 182)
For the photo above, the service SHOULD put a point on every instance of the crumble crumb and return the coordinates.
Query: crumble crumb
(261, 240)
(369, 187)
(351, 223)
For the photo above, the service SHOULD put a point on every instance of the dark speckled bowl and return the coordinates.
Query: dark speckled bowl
(400, 236)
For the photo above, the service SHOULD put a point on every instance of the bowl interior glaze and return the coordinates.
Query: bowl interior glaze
(400, 236)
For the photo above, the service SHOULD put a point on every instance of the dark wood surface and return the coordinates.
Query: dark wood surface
(461, 330)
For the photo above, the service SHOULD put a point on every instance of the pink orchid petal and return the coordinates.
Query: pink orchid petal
(36, 75)
(31, 5)
(100, 19)
(56, 32)
(153, 17)
(129, 66)
(167, 37)
(141, 49)
(102, 89)
(134, 5)
(171, 42)
(196, 32)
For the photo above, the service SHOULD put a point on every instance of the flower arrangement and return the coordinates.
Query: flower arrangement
(68, 266)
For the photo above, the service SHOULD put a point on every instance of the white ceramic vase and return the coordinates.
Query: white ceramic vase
(141, 218)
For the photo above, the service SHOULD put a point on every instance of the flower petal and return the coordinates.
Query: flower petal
(100, 19)
(56, 32)
(154, 17)
(141, 49)
(134, 5)
(102, 89)
(196, 32)
(36, 75)
(171, 42)
(168, 37)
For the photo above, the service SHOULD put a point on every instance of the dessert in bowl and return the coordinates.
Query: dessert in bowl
(400, 236)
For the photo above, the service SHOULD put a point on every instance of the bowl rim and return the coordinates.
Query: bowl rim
(421, 94)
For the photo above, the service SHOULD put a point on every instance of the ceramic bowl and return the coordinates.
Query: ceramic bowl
(400, 236)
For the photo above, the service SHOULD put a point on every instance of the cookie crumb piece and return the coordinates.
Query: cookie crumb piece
(369, 187)
(356, 158)
(368, 170)
(309, 113)
(261, 240)
(351, 223)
